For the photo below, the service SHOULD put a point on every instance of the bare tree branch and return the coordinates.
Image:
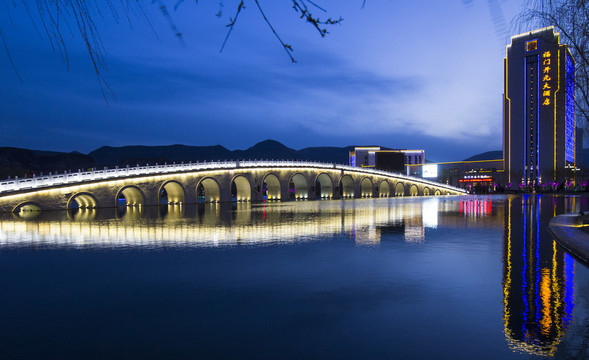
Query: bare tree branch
(286, 47)
(62, 19)
(232, 24)
(8, 55)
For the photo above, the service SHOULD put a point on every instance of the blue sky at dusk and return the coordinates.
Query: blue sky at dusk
(422, 74)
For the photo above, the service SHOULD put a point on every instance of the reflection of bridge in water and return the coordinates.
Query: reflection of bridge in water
(237, 181)
(221, 224)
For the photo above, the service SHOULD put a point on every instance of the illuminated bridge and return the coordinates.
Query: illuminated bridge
(209, 182)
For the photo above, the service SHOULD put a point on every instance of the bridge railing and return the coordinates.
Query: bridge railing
(57, 179)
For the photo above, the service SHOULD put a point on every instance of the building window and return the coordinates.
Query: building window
(531, 45)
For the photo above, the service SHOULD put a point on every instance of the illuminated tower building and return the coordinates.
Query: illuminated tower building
(538, 110)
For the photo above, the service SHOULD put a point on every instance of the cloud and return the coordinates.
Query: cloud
(353, 88)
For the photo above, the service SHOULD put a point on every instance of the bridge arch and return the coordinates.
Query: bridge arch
(173, 191)
(26, 206)
(346, 186)
(109, 185)
(82, 200)
(241, 189)
(323, 186)
(437, 193)
(413, 190)
(271, 186)
(400, 189)
(130, 195)
(426, 191)
(297, 187)
(208, 191)
(366, 187)
(384, 189)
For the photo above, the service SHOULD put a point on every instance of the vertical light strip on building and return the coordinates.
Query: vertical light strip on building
(532, 114)
(508, 168)
(525, 122)
(554, 106)
(570, 109)
(524, 268)
(538, 98)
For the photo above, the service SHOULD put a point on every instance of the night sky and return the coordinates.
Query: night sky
(423, 74)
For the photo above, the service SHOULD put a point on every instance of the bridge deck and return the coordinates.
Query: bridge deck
(11, 186)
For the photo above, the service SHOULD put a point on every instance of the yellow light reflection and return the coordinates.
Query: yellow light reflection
(545, 295)
(210, 225)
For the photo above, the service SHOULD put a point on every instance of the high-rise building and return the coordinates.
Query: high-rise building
(539, 110)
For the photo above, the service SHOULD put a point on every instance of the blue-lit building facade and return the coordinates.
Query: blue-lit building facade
(539, 111)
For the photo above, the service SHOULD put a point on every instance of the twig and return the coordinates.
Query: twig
(232, 24)
(286, 47)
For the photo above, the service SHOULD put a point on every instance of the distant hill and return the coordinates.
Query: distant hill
(489, 155)
(21, 162)
(326, 154)
(18, 162)
(132, 155)
(267, 149)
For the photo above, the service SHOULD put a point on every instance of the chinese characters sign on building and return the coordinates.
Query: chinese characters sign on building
(546, 77)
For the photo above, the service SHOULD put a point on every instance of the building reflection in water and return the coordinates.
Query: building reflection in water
(538, 275)
(219, 224)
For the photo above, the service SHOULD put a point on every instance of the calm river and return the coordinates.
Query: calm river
(472, 277)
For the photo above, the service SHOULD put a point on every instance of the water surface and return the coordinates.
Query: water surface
(445, 278)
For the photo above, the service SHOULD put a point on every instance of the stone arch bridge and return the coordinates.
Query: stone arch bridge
(209, 182)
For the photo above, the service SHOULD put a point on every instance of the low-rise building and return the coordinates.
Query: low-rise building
(394, 160)
(478, 175)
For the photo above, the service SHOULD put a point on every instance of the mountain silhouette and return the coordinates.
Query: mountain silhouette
(489, 155)
(24, 162)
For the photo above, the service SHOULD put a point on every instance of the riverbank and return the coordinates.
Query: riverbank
(571, 231)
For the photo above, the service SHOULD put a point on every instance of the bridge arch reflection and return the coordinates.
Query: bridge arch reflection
(218, 224)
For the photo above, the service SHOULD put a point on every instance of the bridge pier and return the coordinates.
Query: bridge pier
(284, 192)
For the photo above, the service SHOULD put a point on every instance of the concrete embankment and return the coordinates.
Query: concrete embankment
(571, 231)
